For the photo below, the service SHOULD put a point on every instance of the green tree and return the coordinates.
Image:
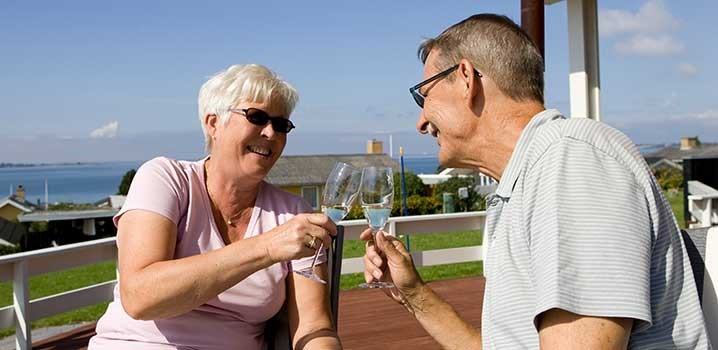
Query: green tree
(126, 181)
(414, 185)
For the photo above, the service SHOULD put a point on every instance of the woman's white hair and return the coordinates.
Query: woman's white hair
(242, 83)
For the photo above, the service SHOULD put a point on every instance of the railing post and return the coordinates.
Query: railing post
(21, 303)
(392, 228)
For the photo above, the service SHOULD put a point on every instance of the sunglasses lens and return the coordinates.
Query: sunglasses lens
(281, 125)
(257, 117)
(418, 98)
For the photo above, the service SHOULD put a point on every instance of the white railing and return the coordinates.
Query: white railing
(18, 268)
(702, 204)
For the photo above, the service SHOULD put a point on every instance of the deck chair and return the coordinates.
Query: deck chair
(702, 247)
(276, 333)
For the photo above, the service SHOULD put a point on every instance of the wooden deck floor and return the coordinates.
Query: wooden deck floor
(367, 319)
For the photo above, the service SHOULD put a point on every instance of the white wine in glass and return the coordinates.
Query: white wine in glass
(376, 196)
(340, 190)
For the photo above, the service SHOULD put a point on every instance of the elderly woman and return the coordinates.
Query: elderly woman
(206, 248)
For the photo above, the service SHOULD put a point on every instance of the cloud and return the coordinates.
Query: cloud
(651, 18)
(643, 33)
(648, 45)
(686, 69)
(108, 131)
(711, 114)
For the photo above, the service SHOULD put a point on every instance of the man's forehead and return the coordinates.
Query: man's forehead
(430, 64)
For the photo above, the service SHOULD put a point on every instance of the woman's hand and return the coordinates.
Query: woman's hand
(292, 240)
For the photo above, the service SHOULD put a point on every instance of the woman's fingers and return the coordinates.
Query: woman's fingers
(321, 221)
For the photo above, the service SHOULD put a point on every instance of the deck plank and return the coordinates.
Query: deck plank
(368, 319)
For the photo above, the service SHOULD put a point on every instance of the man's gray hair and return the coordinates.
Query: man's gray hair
(497, 47)
(242, 83)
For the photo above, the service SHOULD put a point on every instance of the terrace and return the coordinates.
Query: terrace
(358, 310)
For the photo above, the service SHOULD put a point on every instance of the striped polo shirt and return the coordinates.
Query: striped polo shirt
(579, 223)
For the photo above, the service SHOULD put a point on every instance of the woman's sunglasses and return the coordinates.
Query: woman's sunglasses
(261, 118)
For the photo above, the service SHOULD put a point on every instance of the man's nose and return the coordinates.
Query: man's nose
(422, 125)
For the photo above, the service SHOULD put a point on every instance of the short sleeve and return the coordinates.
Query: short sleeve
(590, 234)
(301, 264)
(160, 186)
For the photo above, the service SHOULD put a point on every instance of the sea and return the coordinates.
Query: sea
(92, 182)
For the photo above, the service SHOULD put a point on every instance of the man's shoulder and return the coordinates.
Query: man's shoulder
(565, 135)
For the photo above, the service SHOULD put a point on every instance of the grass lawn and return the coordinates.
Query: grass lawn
(58, 282)
(676, 201)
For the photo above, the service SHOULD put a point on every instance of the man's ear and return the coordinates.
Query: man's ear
(470, 82)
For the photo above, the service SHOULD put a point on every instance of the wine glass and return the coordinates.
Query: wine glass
(377, 197)
(339, 193)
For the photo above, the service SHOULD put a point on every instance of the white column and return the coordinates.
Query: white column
(584, 79)
(88, 227)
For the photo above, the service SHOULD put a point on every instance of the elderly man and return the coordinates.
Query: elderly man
(583, 249)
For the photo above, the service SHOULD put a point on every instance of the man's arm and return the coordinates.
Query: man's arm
(437, 317)
(560, 329)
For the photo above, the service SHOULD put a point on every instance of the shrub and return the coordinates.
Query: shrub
(9, 249)
(474, 202)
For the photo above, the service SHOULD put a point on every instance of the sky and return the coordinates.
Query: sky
(118, 80)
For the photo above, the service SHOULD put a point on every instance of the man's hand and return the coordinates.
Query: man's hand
(386, 259)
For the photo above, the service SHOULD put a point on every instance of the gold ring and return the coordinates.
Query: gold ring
(312, 244)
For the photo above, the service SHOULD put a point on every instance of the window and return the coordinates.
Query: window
(311, 195)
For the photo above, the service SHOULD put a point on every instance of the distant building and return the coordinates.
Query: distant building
(306, 175)
(114, 201)
(484, 184)
(69, 226)
(672, 156)
(14, 205)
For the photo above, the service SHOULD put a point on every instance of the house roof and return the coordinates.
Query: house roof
(17, 202)
(313, 170)
(114, 201)
(675, 153)
(59, 215)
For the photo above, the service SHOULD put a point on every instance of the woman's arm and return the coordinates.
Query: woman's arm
(310, 299)
(154, 285)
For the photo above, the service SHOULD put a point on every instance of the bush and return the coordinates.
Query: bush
(414, 185)
(474, 202)
(669, 178)
(419, 205)
(9, 249)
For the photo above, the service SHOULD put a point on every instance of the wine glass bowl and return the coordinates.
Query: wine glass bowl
(376, 196)
(340, 191)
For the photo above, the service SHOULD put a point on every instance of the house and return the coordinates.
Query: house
(114, 201)
(15, 204)
(672, 156)
(306, 175)
(484, 184)
(69, 226)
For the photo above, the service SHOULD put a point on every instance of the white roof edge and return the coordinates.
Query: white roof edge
(16, 205)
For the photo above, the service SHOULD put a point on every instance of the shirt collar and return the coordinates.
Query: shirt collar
(513, 168)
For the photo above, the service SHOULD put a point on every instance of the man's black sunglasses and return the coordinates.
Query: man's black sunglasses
(261, 118)
(416, 92)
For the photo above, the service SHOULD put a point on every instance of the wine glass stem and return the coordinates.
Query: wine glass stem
(316, 254)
